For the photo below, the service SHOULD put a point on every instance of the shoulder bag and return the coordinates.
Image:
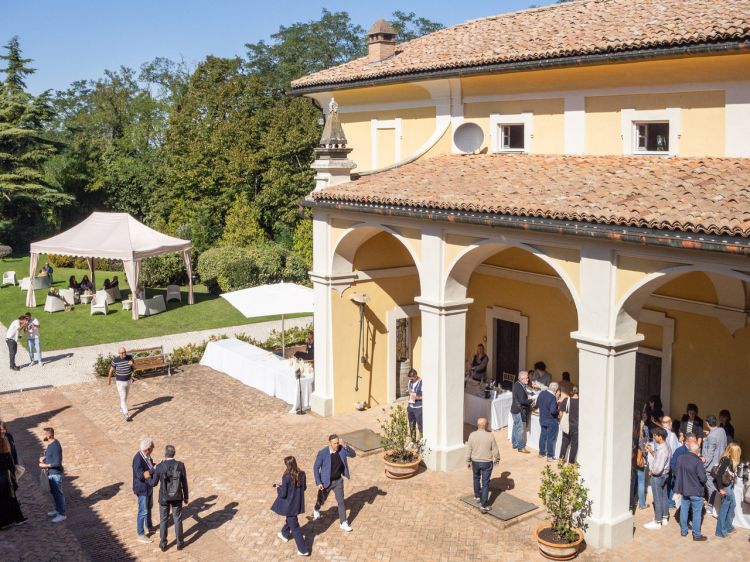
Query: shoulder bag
(44, 480)
(565, 420)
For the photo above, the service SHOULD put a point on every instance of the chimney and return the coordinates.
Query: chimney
(332, 164)
(381, 41)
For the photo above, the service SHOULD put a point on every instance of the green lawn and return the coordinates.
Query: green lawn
(61, 330)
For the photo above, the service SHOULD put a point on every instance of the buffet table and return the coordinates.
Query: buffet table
(532, 434)
(477, 406)
(257, 368)
(742, 509)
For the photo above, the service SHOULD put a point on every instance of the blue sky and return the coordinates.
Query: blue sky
(76, 39)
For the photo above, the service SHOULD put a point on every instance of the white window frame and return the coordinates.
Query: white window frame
(636, 137)
(375, 125)
(498, 120)
(631, 118)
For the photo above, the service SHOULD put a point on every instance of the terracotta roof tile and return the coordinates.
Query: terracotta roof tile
(585, 27)
(708, 195)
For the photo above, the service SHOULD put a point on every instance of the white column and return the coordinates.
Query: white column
(606, 367)
(574, 123)
(737, 119)
(443, 348)
(321, 400)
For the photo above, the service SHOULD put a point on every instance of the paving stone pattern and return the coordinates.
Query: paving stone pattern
(233, 439)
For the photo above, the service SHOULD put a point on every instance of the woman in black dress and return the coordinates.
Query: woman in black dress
(10, 510)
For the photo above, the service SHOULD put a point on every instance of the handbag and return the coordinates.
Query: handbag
(44, 479)
(726, 479)
(20, 471)
(565, 420)
(640, 460)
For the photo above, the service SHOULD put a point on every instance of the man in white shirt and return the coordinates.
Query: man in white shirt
(673, 443)
(658, 467)
(32, 339)
(11, 338)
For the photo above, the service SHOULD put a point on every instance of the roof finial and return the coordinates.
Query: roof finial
(333, 107)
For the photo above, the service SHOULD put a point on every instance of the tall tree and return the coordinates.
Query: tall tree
(409, 26)
(27, 196)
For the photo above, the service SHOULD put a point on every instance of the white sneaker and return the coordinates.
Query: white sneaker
(59, 518)
(52, 513)
(144, 539)
(653, 525)
(282, 537)
(665, 522)
(345, 527)
(316, 514)
(303, 553)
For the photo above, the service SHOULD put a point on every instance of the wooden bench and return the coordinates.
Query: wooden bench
(151, 359)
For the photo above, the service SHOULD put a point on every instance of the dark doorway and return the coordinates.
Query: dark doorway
(647, 378)
(506, 350)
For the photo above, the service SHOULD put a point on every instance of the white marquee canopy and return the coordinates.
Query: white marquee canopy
(113, 236)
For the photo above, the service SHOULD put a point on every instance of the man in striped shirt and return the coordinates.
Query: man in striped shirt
(122, 368)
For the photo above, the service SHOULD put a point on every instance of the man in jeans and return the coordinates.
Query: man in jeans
(330, 466)
(122, 368)
(673, 443)
(659, 468)
(414, 409)
(32, 339)
(549, 415)
(143, 469)
(171, 476)
(713, 447)
(481, 454)
(52, 461)
(520, 409)
(690, 478)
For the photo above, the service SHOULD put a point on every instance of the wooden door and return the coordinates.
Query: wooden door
(506, 350)
(647, 378)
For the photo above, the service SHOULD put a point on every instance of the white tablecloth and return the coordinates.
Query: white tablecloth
(532, 434)
(257, 368)
(501, 410)
(742, 509)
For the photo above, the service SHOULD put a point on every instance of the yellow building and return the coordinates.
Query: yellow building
(568, 184)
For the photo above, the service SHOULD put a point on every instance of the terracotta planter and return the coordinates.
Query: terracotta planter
(554, 551)
(398, 471)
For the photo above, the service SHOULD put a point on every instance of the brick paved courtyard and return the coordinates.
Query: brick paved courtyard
(232, 439)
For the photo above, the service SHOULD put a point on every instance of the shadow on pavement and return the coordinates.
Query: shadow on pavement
(213, 520)
(143, 406)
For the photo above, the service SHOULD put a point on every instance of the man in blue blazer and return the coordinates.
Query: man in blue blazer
(330, 465)
(143, 469)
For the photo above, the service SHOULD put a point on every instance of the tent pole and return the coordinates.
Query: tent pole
(283, 337)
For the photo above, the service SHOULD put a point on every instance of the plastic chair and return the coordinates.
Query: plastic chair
(9, 278)
(99, 303)
(173, 293)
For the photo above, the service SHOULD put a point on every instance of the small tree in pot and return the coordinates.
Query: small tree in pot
(402, 454)
(568, 506)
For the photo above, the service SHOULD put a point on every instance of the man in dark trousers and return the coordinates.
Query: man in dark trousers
(330, 465)
(414, 409)
(171, 476)
(690, 480)
(549, 420)
(520, 409)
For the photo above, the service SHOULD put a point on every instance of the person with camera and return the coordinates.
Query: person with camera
(290, 502)
(171, 476)
(330, 466)
(726, 475)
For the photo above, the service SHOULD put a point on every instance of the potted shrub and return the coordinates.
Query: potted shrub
(566, 498)
(402, 456)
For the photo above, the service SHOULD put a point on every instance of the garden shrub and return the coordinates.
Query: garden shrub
(242, 225)
(224, 267)
(164, 270)
(5, 251)
(296, 269)
(61, 261)
(188, 354)
(102, 364)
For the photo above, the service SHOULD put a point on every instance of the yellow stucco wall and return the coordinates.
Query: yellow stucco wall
(547, 121)
(631, 271)
(701, 115)
(692, 286)
(384, 94)
(551, 320)
(652, 335)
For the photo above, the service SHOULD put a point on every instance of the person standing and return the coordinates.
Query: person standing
(727, 472)
(713, 446)
(414, 409)
(520, 409)
(171, 476)
(659, 468)
(10, 509)
(11, 339)
(122, 368)
(481, 455)
(478, 368)
(570, 434)
(330, 466)
(32, 339)
(52, 461)
(549, 414)
(673, 443)
(691, 423)
(542, 378)
(725, 419)
(290, 502)
(143, 468)
(690, 477)
(309, 353)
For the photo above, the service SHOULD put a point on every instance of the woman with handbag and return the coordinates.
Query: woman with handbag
(290, 502)
(569, 426)
(10, 509)
(641, 437)
(726, 474)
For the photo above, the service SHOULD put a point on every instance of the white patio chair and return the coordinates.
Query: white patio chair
(24, 284)
(69, 295)
(54, 304)
(173, 293)
(99, 303)
(9, 278)
(110, 296)
(156, 304)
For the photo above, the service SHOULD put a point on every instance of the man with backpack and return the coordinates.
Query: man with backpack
(171, 476)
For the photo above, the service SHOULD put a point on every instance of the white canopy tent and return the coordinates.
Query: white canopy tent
(114, 236)
(278, 299)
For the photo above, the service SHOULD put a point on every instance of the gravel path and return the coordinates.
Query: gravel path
(71, 366)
